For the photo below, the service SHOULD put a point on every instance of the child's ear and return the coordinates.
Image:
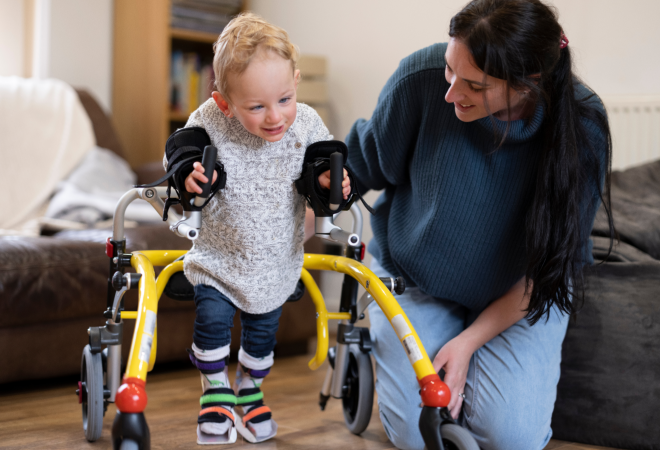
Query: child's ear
(222, 104)
(296, 77)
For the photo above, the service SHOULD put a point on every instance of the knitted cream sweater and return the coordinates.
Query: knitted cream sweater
(250, 247)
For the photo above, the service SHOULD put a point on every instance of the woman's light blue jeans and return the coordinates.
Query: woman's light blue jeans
(511, 383)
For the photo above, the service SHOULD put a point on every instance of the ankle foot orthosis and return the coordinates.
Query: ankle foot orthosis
(218, 402)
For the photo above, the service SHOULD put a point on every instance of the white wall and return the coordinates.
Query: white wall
(81, 45)
(11, 38)
(615, 43)
(78, 48)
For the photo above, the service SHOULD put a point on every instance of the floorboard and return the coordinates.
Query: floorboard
(49, 417)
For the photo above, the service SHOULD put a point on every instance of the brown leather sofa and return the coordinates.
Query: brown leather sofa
(52, 288)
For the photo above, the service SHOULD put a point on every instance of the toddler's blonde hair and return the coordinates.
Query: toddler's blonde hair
(239, 42)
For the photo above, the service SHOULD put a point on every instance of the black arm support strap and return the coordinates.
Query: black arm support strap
(183, 148)
(317, 161)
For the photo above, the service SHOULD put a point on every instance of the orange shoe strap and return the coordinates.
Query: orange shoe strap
(218, 409)
(254, 413)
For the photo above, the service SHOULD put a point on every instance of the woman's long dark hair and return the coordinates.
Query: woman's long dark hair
(519, 41)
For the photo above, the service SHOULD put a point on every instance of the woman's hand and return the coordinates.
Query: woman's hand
(197, 174)
(324, 181)
(454, 358)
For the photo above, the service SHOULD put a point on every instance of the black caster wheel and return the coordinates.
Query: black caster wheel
(130, 432)
(358, 395)
(129, 444)
(91, 393)
(455, 437)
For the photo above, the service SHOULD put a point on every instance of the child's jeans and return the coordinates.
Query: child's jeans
(511, 382)
(215, 318)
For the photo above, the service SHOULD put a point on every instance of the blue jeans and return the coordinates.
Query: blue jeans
(215, 318)
(511, 383)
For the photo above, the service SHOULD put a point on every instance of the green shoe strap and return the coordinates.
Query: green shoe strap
(224, 398)
(243, 399)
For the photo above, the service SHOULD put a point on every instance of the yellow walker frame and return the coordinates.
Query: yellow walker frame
(151, 289)
(130, 397)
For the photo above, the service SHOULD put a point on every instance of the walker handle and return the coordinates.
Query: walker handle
(336, 178)
(208, 162)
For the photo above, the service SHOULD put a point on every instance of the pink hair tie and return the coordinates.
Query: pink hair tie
(563, 43)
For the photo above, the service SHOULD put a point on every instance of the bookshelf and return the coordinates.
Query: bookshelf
(143, 46)
(142, 49)
(190, 35)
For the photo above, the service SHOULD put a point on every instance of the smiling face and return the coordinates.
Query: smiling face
(263, 97)
(471, 88)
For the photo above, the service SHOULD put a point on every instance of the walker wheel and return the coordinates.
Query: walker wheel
(130, 432)
(358, 395)
(129, 444)
(455, 437)
(91, 393)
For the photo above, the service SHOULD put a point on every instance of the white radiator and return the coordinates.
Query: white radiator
(635, 127)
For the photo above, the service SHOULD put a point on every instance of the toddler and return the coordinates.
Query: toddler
(249, 253)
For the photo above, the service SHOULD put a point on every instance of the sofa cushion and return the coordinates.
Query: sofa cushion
(39, 277)
(619, 252)
(609, 390)
(636, 206)
(65, 276)
(43, 121)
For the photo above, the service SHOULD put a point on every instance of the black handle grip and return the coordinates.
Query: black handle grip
(336, 178)
(208, 162)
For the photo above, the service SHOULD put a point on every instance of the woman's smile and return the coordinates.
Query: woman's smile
(463, 108)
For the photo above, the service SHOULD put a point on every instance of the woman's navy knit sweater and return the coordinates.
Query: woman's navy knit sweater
(451, 219)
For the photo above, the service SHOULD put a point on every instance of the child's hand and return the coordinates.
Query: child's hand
(197, 174)
(324, 181)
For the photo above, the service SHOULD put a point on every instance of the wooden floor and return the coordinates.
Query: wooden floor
(50, 417)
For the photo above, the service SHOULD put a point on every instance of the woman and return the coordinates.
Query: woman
(492, 157)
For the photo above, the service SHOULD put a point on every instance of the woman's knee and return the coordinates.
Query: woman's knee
(502, 428)
(401, 426)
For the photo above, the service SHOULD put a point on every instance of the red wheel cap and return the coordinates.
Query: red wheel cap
(434, 391)
(131, 396)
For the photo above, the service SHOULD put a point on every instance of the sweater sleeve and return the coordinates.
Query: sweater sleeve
(194, 120)
(379, 149)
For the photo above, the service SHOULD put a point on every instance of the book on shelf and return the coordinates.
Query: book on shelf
(197, 25)
(212, 6)
(191, 82)
(204, 15)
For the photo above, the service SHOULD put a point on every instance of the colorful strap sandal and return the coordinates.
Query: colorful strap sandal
(217, 407)
(252, 426)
